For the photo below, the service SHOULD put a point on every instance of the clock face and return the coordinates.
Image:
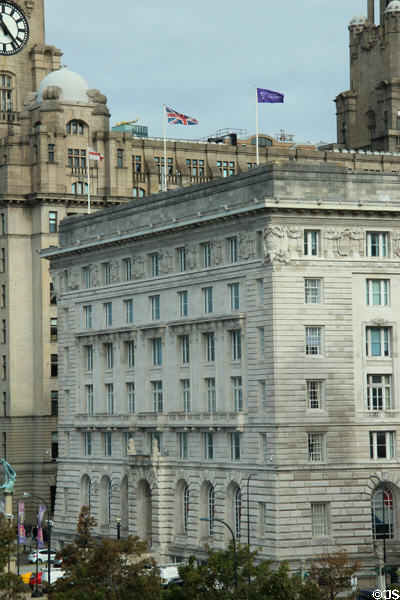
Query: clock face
(14, 29)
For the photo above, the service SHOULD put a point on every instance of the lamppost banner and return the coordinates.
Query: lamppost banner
(21, 523)
(41, 512)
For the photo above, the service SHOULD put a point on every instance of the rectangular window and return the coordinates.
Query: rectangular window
(377, 244)
(155, 265)
(211, 395)
(157, 352)
(89, 399)
(131, 396)
(88, 443)
(233, 250)
(54, 403)
(261, 292)
(314, 394)
(209, 445)
(157, 396)
(210, 346)
(313, 341)
(183, 445)
(182, 259)
(185, 392)
(120, 158)
(264, 447)
(234, 293)
(3, 296)
(316, 451)
(183, 303)
(52, 222)
(207, 255)
(155, 307)
(319, 518)
(128, 306)
(109, 351)
(237, 393)
(263, 395)
(312, 291)
(110, 398)
(261, 341)
(53, 329)
(3, 260)
(86, 277)
(381, 444)
(127, 267)
(236, 450)
(208, 299)
(108, 313)
(378, 341)
(236, 344)
(107, 436)
(130, 354)
(107, 273)
(311, 243)
(185, 349)
(53, 365)
(377, 292)
(88, 315)
(262, 519)
(379, 392)
(50, 151)
(89, 358)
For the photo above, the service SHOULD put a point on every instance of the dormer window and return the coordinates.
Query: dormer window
(75, 127)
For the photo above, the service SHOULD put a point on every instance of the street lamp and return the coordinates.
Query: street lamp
(118, 528)
(37, 593)
(234, 544)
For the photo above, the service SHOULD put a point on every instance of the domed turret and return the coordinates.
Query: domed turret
(63, 85)
(358, 20)
(393, 7)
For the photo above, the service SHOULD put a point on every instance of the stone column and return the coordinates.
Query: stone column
(371, 11)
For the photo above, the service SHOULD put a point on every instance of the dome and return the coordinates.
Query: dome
(358, 20)
(393, 7)
(73, 87)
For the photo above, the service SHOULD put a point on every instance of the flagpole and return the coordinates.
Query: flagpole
(257, 153)
(88, 179)
(164, 174)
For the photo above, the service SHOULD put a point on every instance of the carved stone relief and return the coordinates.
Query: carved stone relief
(94, 275)
(246, 241)
(345, 242)
(165, 257)
(73, 279)
(137, 267)
(217, 251)
(114, 268)
(276, 245)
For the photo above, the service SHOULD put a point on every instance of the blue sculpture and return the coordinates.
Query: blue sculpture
(9, 476)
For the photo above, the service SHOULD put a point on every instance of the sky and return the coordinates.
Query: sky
(204, 58)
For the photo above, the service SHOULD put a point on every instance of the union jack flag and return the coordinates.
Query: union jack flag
(175, 118)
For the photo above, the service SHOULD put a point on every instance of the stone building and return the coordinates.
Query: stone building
(368, 115)
(240, 332)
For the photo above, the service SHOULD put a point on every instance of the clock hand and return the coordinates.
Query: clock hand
(5, 29)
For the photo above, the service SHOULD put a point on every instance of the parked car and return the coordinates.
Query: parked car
(41, 555)
(33, 581)
(55, 574)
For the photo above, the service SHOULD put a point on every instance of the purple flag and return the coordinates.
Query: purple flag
(21, 524)
(41, 511)
(269, 96)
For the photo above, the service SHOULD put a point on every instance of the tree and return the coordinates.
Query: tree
(331, 573)
(11, 585)
(214, 579)
(105, 570)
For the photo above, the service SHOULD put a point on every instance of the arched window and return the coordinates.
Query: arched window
(144, 511)
(382, 512)
(237, 512)
(186, 500)
(211, 509)
(75, 127)
(138, 192)
(79, 188)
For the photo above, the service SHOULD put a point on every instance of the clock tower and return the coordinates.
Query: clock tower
(25, 59)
